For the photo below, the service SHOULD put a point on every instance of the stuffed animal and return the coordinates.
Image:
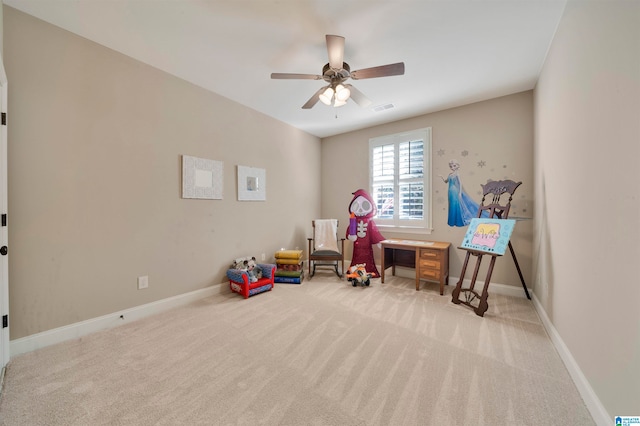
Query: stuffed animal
(358, 274)
(239, 264)
(249, 265)
(254, 270)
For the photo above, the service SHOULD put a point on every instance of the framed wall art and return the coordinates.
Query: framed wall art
(201, 178)
(252, 184)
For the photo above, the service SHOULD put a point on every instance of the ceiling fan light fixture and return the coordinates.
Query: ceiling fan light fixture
(327, 96)
(342, 93)
(336, 72)
(339, 103)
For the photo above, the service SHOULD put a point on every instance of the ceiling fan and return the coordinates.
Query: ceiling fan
(336, 72)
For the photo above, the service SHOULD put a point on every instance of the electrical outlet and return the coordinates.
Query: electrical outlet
(263, 257)
(143, 282)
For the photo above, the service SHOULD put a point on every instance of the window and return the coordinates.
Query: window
(399, 179)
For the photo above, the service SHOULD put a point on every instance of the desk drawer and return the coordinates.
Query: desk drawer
(433, 274)
(427, 254)
(429, 264)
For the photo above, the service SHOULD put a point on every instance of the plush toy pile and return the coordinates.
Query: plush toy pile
(249, 265)
(358, 274)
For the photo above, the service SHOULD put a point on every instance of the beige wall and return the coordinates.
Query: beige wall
(498, 132)
(1, 28)
(95, 145)
(587, 227)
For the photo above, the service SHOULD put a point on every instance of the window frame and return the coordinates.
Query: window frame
(406, 225)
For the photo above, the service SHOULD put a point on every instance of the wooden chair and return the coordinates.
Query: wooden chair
(492, 192)
(323, 246)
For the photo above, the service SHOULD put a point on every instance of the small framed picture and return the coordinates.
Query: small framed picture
(252, 184)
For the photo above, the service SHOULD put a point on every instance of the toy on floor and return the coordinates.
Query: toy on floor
(358, 274)
(362, 230)
(250, 266)
(247, 277)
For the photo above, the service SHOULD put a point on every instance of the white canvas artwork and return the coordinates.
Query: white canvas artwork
(201, 178)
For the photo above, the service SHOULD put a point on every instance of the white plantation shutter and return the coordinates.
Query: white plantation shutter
(382, 190)
(411, 180)
(399, 179)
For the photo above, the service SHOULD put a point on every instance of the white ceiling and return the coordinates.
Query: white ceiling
(455, 52)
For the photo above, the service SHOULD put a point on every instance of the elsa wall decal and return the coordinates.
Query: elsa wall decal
(462, 208)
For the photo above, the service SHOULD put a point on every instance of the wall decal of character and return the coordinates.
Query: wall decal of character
(462, 208)
(362, 230)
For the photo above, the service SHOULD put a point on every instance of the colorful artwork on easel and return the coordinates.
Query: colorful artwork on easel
(488, 235)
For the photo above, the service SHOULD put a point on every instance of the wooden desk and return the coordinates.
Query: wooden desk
(429, 258)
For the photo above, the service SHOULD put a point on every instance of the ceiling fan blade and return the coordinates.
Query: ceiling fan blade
(381, 71)
(288, 76)
(314, 99)
(335, 49)
(358, 97)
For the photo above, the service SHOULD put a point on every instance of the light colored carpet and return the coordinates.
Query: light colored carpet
(320, 353)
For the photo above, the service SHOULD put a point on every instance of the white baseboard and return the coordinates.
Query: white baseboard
(504, 289)
(83, 328)
(591, 400)
(497, 288)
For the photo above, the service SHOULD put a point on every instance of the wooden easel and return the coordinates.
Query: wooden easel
(495, 210)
